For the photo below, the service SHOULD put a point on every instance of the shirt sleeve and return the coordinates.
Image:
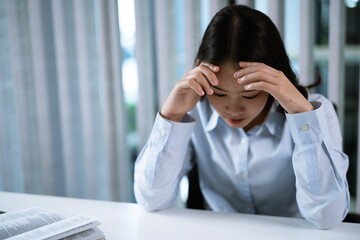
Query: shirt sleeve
(162, 163)
(320, 165)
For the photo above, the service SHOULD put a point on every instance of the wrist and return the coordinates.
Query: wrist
(172, 117)
(303, 108)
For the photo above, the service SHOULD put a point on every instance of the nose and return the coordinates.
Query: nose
(235, 107)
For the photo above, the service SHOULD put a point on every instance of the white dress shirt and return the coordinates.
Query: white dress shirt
(292, 165)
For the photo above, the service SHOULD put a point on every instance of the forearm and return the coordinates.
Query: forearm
(322, 192)
(161, 164)
(320, 167)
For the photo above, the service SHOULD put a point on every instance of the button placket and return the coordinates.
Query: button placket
(243, 177)
(244, 140)
(162, 132)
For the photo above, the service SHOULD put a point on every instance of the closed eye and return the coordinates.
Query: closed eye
(219, 95)
(251, 97)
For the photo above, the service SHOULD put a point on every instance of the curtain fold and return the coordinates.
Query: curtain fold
(63, 117)
(145, 49)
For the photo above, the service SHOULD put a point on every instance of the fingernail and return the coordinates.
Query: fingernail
(240, 80)
(247, 87)
(215, 68)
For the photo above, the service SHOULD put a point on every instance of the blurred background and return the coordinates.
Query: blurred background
(82, 80)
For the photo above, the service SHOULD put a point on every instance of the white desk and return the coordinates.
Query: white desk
(127, 221)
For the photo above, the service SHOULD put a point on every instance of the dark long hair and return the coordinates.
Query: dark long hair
(239, 33)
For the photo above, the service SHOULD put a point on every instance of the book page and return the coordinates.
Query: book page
(91, 234)
(17, 222)
(61, 229)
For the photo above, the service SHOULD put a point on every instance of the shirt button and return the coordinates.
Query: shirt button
(243, 176)
(244, 141)
(162, 132)
(304, 128)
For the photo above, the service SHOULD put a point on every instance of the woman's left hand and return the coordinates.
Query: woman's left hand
(259, 76)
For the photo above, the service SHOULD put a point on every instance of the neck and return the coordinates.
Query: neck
(262, 116)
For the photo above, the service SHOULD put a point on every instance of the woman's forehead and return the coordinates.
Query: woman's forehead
(227, 71)
(227, 81)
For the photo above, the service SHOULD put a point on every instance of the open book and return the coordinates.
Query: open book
(40, 224)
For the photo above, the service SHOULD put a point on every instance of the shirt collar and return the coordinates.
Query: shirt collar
(274, 119)
(213, 120)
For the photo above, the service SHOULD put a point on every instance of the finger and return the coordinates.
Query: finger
(261, 86)
(198, 82)
(253, 67)
(210, 75)
(258, 76)
(213, 67)
(204, 82)
(194, 85)
(248, 64)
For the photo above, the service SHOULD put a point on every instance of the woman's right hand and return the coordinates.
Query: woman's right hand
(188, 90)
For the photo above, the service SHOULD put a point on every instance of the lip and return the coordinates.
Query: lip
(235, 121)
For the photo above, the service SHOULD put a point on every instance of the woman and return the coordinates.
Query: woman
(262, 144)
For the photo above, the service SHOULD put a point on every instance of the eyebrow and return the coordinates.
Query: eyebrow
(220, 89)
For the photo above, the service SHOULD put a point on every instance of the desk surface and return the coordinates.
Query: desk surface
(129, 221)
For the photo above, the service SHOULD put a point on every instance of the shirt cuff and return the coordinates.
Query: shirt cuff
(171, 133)
(308, 127)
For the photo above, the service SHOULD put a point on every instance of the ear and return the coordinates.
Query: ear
(197, 62)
